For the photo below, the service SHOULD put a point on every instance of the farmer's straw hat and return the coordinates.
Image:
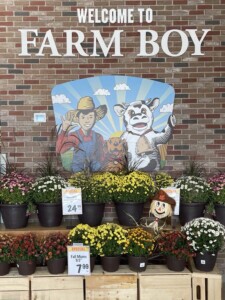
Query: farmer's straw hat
(86, 104)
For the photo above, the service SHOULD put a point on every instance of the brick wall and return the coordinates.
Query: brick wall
(26, 82)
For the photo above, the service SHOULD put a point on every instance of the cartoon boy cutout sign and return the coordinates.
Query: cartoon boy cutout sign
(87, 144)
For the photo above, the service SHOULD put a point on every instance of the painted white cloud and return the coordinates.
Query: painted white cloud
(166, 108)
(102, 92)
(60, 99)
(121, 87)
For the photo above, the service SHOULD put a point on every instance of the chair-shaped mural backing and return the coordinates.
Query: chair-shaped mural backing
(111, 122)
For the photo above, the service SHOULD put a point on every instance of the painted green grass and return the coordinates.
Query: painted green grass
(67, 159)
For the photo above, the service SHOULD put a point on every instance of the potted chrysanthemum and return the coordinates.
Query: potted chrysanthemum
(140, 245)
(25, 251)
(162, 180)
(6, 257)
(194, 195)
(131, 191)
(97, 190)
(15, 201)
(177, 249)
(206, 237)
(87, 235)
(111, 244)
(53, 250)
(217, 201)
(47, 196)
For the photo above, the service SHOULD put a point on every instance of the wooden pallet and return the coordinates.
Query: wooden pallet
(206, 285)
(14, 286)
(120, 285)
(46, 286)
(158, 283)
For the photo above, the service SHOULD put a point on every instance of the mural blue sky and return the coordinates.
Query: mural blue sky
(111, 90)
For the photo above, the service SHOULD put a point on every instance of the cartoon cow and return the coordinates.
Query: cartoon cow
(142, 140)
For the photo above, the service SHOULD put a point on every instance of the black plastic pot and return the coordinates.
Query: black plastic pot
(137, 263)
(175, 264)
(14, 216)
(50, 214)
(220, 213)
(92, 262)
(129, 213)
(56, 265)
(92, 213)
(205, 262)
(190, 211)
(110, 263)
(4, 268)
(26, 267)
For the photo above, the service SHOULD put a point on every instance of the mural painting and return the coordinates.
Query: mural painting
(111, 122)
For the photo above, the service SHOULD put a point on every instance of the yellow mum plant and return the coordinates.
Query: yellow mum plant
(162, 180)
(136, 186)
(111, 239)
(96, 187)
(86, 235)
(140, 242)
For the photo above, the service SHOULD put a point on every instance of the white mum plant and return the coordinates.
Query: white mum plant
(193, 189)
(205, 235)
(48, 189)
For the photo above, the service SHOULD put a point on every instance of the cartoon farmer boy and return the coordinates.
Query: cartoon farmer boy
(87, 144)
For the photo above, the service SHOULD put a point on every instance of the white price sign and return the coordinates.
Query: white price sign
(78, 260)
(175, 194)
(72, 201)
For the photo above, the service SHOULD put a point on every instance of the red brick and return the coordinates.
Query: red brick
(7, 24)
(30, 8)
(16, 113)
(37, 2)
(213, 116)
(220, 142)
(30, 19)
(209, 126)
(6, 76)
(16, 154)
(213, 146)
(16, 144)
(6, 13)
(17, 92)
(204, 6)
(197, 116)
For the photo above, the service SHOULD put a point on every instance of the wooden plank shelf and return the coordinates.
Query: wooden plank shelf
(36, 229)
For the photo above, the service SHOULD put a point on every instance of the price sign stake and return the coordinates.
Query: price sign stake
(78, 260)
(72, 201)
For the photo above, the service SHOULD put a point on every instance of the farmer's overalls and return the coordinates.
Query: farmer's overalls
(87, 154)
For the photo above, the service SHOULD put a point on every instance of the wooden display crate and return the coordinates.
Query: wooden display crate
(14, 286)
(119, 285)
(45, 286)
(206, 285)
(158, 283)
